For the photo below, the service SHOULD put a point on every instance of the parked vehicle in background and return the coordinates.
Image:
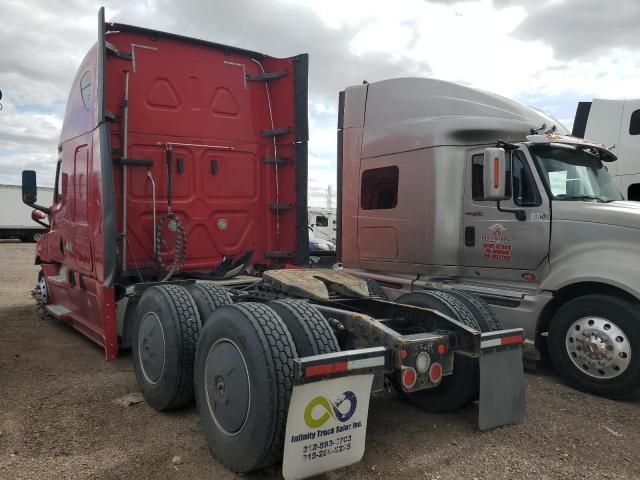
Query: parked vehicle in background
(15, 216)
(616, 124)
(179, 230)
(444, 186)
(322, 223)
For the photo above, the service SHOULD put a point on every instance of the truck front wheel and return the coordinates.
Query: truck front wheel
(594, 343)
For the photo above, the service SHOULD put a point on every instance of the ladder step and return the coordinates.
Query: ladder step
(276, 160)
(275, 132)
(278, 254)
(112, 50)
(282, 206)
(262, 77)
(57, 311)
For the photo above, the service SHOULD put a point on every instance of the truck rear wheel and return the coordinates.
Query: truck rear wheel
(208, 297)
(461, 386)
(310, 331)
(243, 384)
(594, 343)
(165, 336)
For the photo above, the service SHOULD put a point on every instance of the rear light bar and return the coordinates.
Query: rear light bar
(365, 360)
(502, 338)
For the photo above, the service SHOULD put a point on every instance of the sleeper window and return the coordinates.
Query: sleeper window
(379, 189)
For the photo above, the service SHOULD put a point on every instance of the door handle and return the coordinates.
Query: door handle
(470, 236)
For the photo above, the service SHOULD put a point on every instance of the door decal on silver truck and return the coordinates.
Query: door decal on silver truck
(539, 217)
(496, 244)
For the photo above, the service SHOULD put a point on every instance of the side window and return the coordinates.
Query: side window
(86, 90)
(634, 126)
(322, 221)
(379, 188)
(57, 193)
(525, 192)
(477, 178)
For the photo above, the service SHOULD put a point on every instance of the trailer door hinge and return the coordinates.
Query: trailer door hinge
(112, 50)
(266, 76)
(275, 132)
(282, 206)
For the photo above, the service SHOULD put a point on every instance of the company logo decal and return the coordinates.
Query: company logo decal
(496, 245)
(330, 409)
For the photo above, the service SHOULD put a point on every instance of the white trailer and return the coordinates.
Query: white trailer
(615, 123)
(15, 216)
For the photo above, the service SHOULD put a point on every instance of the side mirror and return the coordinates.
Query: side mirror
(495, 174)
(29, 188)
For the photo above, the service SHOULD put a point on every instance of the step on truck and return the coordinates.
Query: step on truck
(179, 230)
(448, 187)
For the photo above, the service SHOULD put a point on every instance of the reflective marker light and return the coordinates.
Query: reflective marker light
(435, 373)
(442, 349)
(403, 354)
(326, 369)
(409, 378)
(422, 362)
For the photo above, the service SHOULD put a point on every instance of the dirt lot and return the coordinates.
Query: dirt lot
(58, 419)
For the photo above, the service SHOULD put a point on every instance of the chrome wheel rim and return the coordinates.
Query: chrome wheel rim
(44, 294)
(598, 347)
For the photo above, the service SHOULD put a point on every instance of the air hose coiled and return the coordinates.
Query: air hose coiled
(174, 225)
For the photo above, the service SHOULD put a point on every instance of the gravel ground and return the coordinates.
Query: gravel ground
(58, 419)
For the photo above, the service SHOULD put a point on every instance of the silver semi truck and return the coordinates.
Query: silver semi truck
(445, 186)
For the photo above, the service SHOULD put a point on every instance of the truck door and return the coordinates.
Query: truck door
(496, 239)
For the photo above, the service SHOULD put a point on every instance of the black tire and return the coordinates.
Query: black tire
(169, 385)
(625, 316)
(310, 331)
(443, 302)
(208, 297)
(461, 386)
(246, 435)
(486, 319)
(376, 290)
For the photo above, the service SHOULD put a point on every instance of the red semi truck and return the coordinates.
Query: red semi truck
(179, 230)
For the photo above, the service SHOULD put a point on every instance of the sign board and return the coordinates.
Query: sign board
(326, 426)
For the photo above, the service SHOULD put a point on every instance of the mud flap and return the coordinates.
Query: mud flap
(502, 395)
(327, 419)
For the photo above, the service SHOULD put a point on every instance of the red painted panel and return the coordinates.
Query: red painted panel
(200, 97)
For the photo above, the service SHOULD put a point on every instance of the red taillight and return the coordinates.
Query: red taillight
(435, 373)
(327, 369)
(442, 349)
(409, 378)
(512, 340)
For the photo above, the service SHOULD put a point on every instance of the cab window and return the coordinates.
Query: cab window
(522, 186)
(322, 221)
(57, 194)
(525, 192)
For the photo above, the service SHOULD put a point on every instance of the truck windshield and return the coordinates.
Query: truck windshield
(575, 174)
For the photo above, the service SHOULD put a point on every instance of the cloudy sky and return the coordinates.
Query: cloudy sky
(548, 54)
